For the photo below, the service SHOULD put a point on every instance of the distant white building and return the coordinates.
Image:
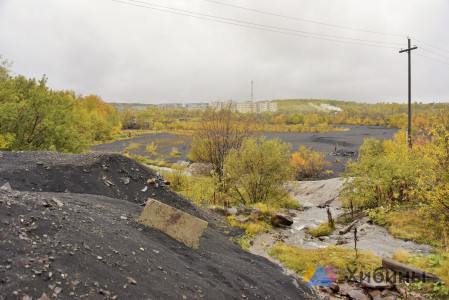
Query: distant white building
(265, 106)
(139, 107)
(197, 106)
(170, 106)
(246, 107)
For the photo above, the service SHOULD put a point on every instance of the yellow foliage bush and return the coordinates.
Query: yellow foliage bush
(309, 164)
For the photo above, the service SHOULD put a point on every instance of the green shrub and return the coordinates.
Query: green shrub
(258, 170)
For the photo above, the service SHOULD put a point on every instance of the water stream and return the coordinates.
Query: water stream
(314, 196)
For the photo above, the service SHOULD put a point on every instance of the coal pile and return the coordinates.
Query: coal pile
(68, 230)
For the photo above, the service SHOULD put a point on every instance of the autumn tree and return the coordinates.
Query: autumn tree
(219, 132)
(34, 118)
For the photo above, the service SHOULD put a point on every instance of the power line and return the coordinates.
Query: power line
(443, 62)
(434, 53)
(196, 15)
(262, 25)
(304, 20)
(322, 23)
(428, 44)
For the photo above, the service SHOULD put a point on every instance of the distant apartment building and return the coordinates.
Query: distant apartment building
(197, 106)
(139, 107)
(247, 107)
(265, 106)
(170, 106)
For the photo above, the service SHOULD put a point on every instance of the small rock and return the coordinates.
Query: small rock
(105, 292)
(58, 203)
(357, 295)
(144, 189)
(152, 180)
(99, 257)
(44, 297)
(281, 220)
(123, 218)
(130, 280)
(57, 290)
(231, 211)
(6, 187)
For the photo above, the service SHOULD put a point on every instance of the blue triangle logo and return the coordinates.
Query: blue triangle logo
(320, 278)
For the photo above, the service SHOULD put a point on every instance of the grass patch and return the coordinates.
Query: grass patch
(152, 148)
(300, 260)
(437, 264)
(132, 146)
(407, 223)
(324, 229)
(175, 153)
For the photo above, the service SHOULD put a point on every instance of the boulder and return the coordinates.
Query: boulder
(281, 220)
(231, 210)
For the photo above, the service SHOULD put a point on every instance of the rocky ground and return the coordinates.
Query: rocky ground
(68, 230)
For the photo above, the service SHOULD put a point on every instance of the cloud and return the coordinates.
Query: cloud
(131, 54)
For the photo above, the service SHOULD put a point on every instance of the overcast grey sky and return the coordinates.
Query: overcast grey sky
(127, 53)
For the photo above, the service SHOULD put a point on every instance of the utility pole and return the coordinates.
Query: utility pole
(251, 91)
(409, 129)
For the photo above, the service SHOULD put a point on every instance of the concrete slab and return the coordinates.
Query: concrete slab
(179, 225)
